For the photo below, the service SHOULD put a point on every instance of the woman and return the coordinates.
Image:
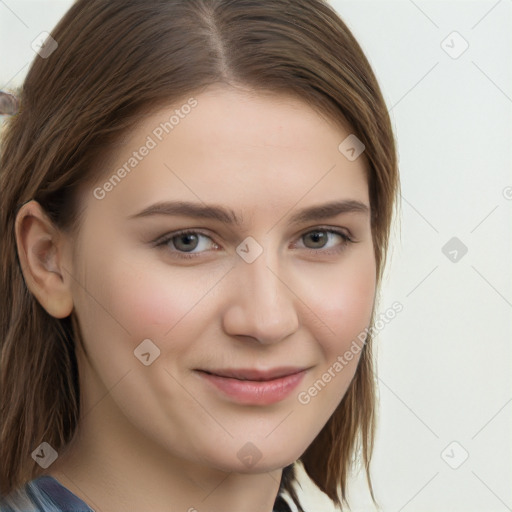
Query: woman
(172, 338)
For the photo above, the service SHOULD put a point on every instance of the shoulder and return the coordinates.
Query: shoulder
(43, 494)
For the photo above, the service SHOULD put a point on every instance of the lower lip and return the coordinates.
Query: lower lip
(251, 392)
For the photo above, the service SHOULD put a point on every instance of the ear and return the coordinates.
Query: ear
(42, 251)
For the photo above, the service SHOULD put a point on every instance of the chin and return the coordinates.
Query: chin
(250, 461)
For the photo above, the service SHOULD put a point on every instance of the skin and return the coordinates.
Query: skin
(158, 437)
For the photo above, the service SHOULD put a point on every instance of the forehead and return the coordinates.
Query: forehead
(226, 146)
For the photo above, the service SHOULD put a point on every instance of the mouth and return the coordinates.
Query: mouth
(253, 387)
(255, 375)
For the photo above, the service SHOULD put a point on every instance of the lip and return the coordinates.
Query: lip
(256, 375)
(258, 387)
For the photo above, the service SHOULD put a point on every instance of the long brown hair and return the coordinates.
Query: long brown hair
(115, 61)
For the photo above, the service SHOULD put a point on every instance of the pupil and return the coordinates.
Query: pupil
(317, 236)
(187, 238)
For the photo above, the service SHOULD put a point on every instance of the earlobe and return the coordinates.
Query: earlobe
(41, 253)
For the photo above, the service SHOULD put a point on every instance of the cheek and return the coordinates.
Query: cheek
(343, 301)
(149, 300)
(153, 302)
(126, 302)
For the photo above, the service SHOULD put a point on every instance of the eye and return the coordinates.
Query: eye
(321, 236)
(182, 244)
(186, 241)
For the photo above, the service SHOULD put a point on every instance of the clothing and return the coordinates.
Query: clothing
(44, 494)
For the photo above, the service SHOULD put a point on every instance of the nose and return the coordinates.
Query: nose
(261, 304)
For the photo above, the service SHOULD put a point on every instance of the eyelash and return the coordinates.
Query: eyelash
(161, 242)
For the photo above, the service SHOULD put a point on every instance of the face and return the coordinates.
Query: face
(274, 293)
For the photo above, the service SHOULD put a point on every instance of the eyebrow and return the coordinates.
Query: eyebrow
(228, 216)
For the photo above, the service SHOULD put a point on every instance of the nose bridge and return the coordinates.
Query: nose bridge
(264, 302)
(264, 280)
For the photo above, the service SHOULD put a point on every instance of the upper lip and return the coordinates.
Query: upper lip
(257, 375)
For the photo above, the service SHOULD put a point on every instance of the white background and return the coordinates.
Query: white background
(444, 361)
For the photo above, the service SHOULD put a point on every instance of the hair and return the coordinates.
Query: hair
(116, 61)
